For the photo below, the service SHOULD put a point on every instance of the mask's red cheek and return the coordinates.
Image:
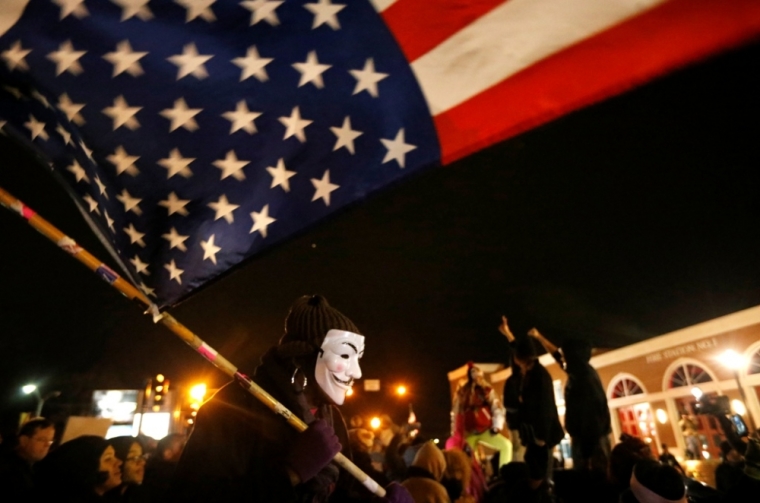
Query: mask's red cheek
(340, 367)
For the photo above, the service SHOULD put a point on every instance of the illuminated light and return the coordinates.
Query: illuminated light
(738, 407)
(190, 421)
(159, 389)
(662, 416)
(401, 390)
(157, 398)
(732, 359)
(706, 454)
(195, 405)
(176, 414)
(648, 440)
(156, 408)
(435, 440)
(198, 392)
(194, 413)
(374, 423)
(160, 378)
(350, 392)
(29, 388)
(696, 392)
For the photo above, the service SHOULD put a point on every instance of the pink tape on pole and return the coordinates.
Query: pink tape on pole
(207, 351)
(22, 209)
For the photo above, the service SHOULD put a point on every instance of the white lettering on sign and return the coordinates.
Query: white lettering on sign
(683, 350)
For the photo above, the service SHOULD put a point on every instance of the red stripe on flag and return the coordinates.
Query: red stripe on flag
(420, 25)
(659, 40)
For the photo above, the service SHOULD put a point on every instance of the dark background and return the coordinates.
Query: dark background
(620, 222)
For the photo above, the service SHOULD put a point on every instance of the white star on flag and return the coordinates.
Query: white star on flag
(323, 188)
(261, 221)
(367, 78)
(140, 266)
(66, 59)
(109, 221)
(174, 271)
(397, 148)
(210, 249)
(311, 71)
(92, 203)
(131, 8)
(231, 166)
(78, 171)
(325, 13)
(122, 114)
(176, 164)
(37, 128)
(295, 125)
(71, 109)
(135, 236)
(223, 209)
(147, 290)
(263, 10)
(190, 62)
(242, 118)
(124, 59)
(64, 134)
(86, 150)
(130, 203)
(253, 65)
(280, 176)
(101, 187)
(345, 135)
(124, 162)
(39, 97)
(175, 205)
(176, 240)
(75, 7)
(181, 116)
(198, 8)
(14, 57)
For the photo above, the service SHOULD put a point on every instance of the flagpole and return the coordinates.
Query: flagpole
(125, 287)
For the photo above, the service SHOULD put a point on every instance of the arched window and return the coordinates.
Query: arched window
(688, 374)
(754, 363)
(626, 387)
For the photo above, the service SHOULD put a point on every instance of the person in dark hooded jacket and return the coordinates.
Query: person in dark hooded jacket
(240, 450)
(587, 417)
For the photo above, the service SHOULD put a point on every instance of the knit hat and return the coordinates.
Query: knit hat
(752, 459)
(308, 321)
(652, 482)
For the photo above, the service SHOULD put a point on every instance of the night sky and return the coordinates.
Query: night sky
(617, 223)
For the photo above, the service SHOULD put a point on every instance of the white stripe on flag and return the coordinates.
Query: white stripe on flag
(10, 12)
(381, 5)
(511, 38)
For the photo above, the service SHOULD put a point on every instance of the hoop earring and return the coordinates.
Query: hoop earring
(293, 378)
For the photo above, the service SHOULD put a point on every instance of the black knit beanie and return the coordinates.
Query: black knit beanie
(308, 321)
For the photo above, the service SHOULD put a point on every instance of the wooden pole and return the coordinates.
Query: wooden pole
(125, 287)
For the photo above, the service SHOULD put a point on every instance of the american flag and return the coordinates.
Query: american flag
(197, 133)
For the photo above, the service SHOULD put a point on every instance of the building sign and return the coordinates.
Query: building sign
(372, 385)
(683, 350)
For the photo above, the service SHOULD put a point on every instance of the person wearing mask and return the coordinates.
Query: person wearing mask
(129, 451)
(82, 470)
(17, 463)
(240, 450)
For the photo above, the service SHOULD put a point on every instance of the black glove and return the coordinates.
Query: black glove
(312, 450)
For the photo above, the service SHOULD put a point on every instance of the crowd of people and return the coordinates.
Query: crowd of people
(501, 448)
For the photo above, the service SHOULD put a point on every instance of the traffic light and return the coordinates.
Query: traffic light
(160, 389)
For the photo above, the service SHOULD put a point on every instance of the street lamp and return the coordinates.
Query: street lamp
(32, 388)
(735, 361)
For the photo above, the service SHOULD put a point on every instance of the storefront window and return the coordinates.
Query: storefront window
(626, 387)
(754, 363)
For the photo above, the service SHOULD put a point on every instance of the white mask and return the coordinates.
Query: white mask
(338, 363)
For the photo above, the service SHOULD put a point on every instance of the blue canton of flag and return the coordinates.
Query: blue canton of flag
(197, 133)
